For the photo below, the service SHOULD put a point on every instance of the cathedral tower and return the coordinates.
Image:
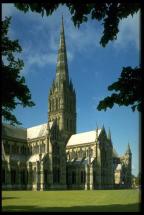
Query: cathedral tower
(62, 115)
(62, 97)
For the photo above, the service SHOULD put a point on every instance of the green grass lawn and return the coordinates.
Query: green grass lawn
(97, 200)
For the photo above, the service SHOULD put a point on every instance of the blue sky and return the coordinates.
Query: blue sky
(91, 68)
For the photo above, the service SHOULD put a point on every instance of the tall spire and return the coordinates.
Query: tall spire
(62, 67)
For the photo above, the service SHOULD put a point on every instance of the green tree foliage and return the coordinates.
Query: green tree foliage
(109, 14)
(14, 89)
(128, 88)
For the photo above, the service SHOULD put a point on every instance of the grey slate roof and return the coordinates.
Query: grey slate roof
(24, 133)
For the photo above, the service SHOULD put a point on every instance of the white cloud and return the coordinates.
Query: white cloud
(42, 59)
(70, 56)
(42, 35)
(129, 30)
(7, 10)
(82, 39)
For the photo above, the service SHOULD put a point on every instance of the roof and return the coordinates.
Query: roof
(37, 131)
(13, 131)
(82, 138)
(23, 133)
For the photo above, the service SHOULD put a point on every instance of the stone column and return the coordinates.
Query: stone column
(8, 177)
(41, 176)
(62, 167)
(91, 177)
(38, 173)
(50, 166)
(29, 185)
(18, 177)
(86, 177)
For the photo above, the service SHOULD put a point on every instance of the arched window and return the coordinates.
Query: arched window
(67, 124)
(7, 147)
(73, 177)
(82, 177)
(34, 175)
(68, 156)
(56, 175)
(59, 103)
(52, 105)
(3, 176)
(13, 176)
(56, 104)
(91, 152)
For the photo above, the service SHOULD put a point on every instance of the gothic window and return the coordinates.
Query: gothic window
(13, 149)
(52, 105)
(78, 153)
(33, 150)
(67, 124)
(30, 150)
(45, 176)
(56, 175)
(82, 177)
(13, 177)
(81, 153)
(7, 147)
(84, 153)
(68, 156)
(23, 177)
(3, 176)
(87, 153)
(70, 124)
(73, 177)
(56, 104)
(21, 149)
(36, 149)
(73, 154)
(91, 152)
(42, 147)
(34, 175)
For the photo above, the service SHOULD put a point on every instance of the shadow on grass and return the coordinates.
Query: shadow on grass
(4, 198)
(99, 208)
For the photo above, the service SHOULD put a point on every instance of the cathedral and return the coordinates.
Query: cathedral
(53, 156)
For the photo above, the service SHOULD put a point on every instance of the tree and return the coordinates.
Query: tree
(110, 15)
(14, 89)
(129, 90)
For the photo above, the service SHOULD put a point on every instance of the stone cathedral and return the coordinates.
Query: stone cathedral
(52, 156)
